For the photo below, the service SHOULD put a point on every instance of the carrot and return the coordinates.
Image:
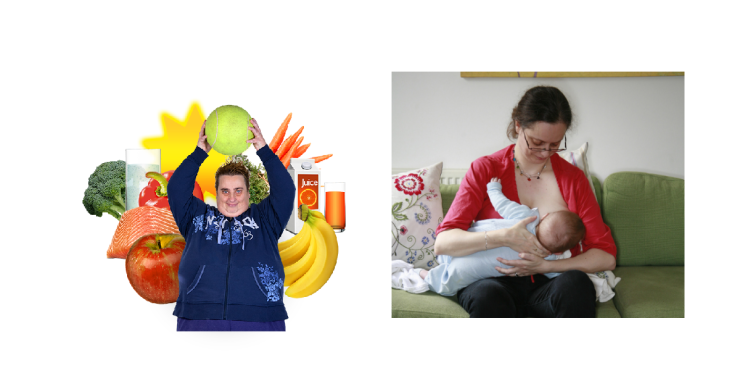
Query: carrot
(289, 154)
(321, 158)
(288, 144)
(280, 134)
(299, 151)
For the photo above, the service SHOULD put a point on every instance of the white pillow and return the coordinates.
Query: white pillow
(578, 158)
(416, 214)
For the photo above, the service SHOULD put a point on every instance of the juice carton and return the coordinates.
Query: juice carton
(307, 179)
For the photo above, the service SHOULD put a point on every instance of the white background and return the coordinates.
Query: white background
(80, 82)
(630, 123)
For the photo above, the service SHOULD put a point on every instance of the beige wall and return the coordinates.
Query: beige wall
(631, 124)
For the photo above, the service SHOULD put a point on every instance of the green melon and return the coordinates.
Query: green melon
(227, 128)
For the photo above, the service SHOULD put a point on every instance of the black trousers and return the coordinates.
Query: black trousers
(571, 294)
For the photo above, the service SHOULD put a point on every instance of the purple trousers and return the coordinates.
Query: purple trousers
(228, 325)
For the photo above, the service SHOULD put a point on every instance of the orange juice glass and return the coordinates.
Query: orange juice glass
(335, 205)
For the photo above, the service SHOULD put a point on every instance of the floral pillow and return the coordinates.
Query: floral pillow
(578, 158)
(416, 213)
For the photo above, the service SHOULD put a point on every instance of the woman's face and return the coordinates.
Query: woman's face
(233, 195)
(541, 135)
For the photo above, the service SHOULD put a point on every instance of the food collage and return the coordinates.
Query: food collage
(140, 193)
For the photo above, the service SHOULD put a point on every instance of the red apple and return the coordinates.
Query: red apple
(152, 264)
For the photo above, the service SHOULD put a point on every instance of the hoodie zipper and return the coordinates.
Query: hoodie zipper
(228, 267)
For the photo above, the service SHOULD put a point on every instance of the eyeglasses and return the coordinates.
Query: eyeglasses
(547, 150)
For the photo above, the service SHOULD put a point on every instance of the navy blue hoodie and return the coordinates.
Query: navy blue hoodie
(231, 268)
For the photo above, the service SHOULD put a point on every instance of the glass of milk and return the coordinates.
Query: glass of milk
(138, 163)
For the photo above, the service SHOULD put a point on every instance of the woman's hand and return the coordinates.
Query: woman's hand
(258, 141)
(528, 264)
(203, 139)
(523, 241)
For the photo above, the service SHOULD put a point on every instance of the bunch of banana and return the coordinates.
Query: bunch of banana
(309, 257)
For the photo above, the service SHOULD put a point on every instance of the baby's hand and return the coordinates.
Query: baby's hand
(495, 179)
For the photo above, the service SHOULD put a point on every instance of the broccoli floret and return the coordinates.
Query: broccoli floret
(106, 190)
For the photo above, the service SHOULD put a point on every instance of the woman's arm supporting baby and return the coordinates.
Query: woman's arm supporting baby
(455, 273)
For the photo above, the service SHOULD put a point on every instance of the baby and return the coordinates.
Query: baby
(557, 231)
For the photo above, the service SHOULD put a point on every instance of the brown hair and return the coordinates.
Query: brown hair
(567, 231)
(540, 104)
(235, 168)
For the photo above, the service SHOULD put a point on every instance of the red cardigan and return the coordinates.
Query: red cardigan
(472, 203)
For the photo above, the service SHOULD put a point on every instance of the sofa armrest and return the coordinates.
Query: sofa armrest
(646, 215)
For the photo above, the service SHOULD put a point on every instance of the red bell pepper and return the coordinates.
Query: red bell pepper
(155, 192)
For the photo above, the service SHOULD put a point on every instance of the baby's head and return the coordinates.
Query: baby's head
(560, 231)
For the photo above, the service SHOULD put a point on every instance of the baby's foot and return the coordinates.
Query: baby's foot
(495, 179)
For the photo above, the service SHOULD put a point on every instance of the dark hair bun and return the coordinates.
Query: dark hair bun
(540, 104)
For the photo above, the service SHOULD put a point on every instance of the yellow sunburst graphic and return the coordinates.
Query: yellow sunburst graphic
(179, 140)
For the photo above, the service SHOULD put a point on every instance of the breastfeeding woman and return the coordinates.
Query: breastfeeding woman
(532, 174)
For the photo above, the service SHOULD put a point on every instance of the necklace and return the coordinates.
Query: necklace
(522, 173)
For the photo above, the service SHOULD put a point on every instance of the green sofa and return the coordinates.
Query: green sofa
(646, 215)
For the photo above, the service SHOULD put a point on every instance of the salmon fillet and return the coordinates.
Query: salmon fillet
(138, 222)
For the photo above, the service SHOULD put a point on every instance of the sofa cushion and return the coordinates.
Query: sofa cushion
(448, 193)
(646, 215)
(430, 304)
(416, 213)
(607, 310)
(650, 291)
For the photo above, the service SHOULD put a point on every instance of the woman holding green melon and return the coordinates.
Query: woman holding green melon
(231, 276)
